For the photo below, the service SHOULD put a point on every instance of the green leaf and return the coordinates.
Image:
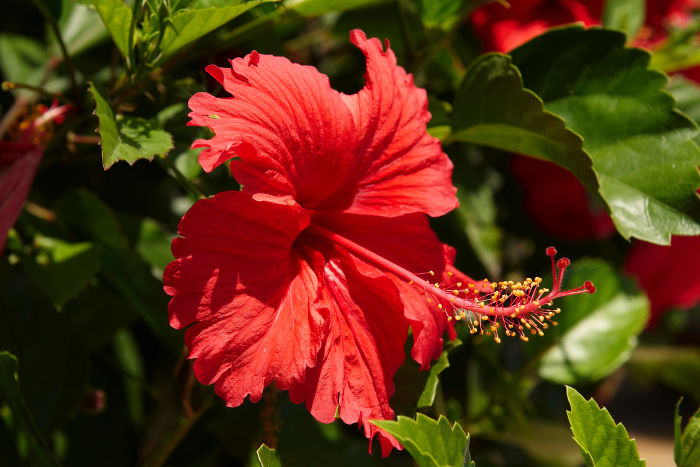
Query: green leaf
(493, 109)
(686, 451)
(642, 149)
(22, 59)
(687, 95)
(625, 15)
(129, 138)
(81, 29)
(153, 245)
(11, 393)
(87, 215)
(430, 442)
(320, 7)
(117, 18)
(596, 333)
(268, 457)
(62, 270)
(427, 397)
(189, 24)
(600, 440)
(445, 13)
(53, 361)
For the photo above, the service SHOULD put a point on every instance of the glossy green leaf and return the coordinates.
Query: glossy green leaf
(600, 440)
(117, 18)
(686, 450)
(128, 138)
(493, 109)
(62, 270)
(189, 24)
(596, 333)
(11, 394)
(642, 149)
(687, 95)
(625, 15)
(430, 442)
(268, 457)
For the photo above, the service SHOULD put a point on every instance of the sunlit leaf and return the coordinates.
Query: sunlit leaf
(268, 457)
(642, 149)
(117, 17)
(430, 442)
(686, 450)
(129, 138)
(191, 23)
(601, 441)
(319, 7)
(595, 333)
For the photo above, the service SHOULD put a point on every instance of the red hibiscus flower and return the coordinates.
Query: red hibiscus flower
(19, 159)
(571, 214)
(662, 268)
(502, 28)
(310, 276)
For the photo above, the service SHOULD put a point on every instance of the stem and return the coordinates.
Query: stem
(194, 192)
(160, 453)
(10, 85)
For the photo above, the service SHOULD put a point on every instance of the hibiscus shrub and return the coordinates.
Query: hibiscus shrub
(231, 230)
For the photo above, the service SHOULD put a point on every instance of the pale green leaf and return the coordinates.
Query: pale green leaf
(427, 397)
(117, 18)
(625, 15)
(268, 457)
(319, 7)
(601, 441)
(596, 333)
(430, 442)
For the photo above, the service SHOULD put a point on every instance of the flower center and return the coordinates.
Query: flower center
(520, 308)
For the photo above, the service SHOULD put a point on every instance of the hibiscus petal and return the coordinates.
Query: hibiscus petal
(247, 295)
(292, 133)
(18, 164)
(410, 244)
(363, 350)
(405, 170)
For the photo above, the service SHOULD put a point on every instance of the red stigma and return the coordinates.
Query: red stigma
(551, 251)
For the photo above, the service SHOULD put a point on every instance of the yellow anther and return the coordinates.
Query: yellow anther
(452, 300)
(470, 285)
(497, 339)
(472, 331)
(410, 282)
(457, 318)
(456, 292)
(536, 303)
(475, 322)
(430, 301)
(439, 306)
(431, 272)
(538, 279)
(524, 338)
(484, 317)
(540, 333)
(482, 305)
(459, 284)
(449, 274)
(437, 285)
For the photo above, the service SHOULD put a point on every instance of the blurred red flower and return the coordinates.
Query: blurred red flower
(262, 280)
(662, 268)
(19, 159)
